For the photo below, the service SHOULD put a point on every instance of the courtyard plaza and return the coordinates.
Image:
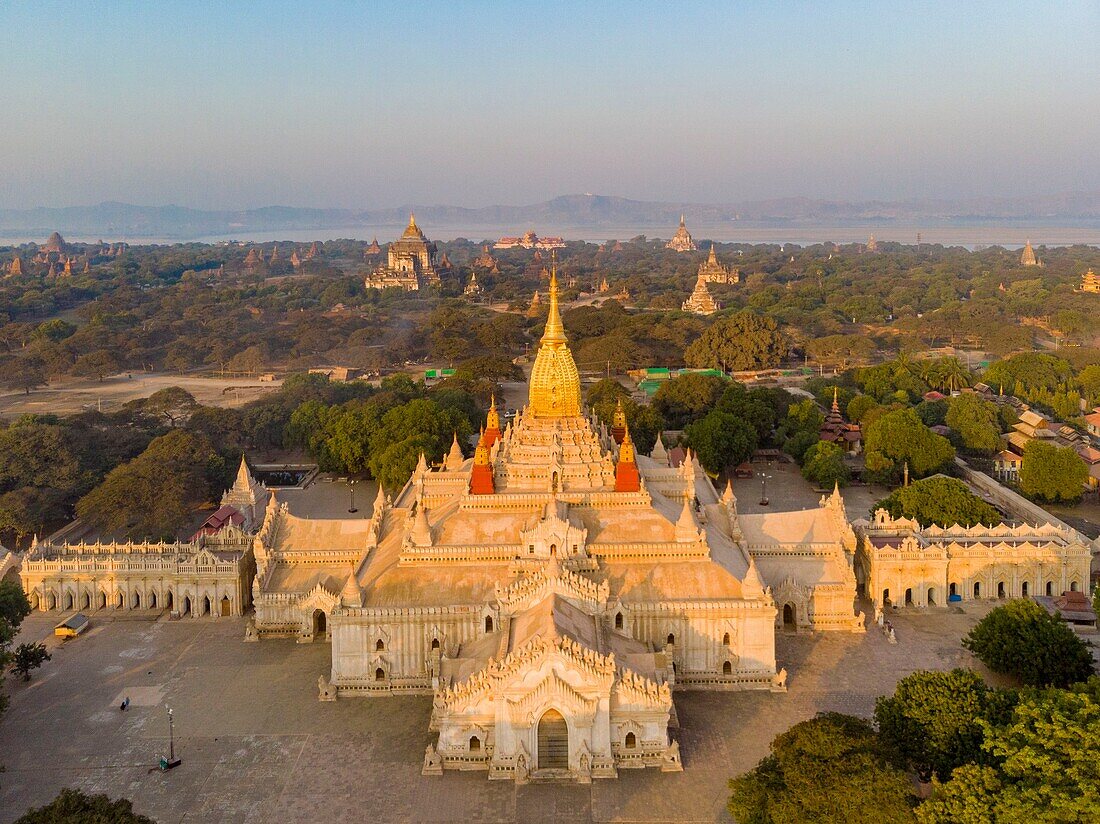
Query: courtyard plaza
(258, 746)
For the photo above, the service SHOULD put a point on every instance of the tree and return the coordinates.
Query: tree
(28, 657)
(1024, 640)
(859, 406)
(900, 436)
(98, 364)
(842, 350)
(1052, 473)
(1032, 371)
(752, 406)
(933, 719)
(976, 422)
(720, 440)
(153, 495)
(14, 606)
(1043, 765)
(75, 807)
(25, 373)
(823, 465)
(828, 770)
(744, 340)
(940, 501)
(687, 398)
(421, 425)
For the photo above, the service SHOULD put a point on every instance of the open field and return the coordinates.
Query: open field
(75, 395)
(258, 746)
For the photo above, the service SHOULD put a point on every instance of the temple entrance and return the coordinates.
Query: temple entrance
(86, 601)
(931, 597)
(187, 605)
(553, 740)
(788, 616)
(320, 624)
(226, 606)
(1000, 589)
(68, 600)
(169, 599)
(1023, 589)
(206, 605)
(909, 597)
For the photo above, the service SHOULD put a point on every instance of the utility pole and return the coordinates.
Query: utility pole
(171, 761)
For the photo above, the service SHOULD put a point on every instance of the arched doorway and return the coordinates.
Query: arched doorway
(475, 744)
(379, 674)
(788, 616)
(1073, 586)
(86, 601)
(885, 598)
(488, 623)
(952, 590)
(1023, 589)
(227, 606)
(553, 742)
(618, 620)
(931, 597)
(909, 597)
(1000, 589)
(68, 600)
(977, 590)
(727, 668)
(168, 599)
(51, 600)
(187, 605)
(206, 605)
(1050, 588)
(103, 600)
(137, 600)
(320, 624)
(120, 601)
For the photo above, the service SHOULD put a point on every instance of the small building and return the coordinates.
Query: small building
(1006, 466)
(1073, 606)
(902, 563)
(72, 626)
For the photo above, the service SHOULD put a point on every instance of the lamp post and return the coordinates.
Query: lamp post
(351, 496)
(171, 761)
(764, 489)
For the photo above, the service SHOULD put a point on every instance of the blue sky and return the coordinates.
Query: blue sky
(374, 104)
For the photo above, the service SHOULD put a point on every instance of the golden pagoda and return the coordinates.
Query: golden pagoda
(1090, 282)
(410, 262)
(555, 382)
(681, 241)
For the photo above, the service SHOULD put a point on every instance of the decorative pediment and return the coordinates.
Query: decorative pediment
(551, 691)
(319, 598)
(531, 588)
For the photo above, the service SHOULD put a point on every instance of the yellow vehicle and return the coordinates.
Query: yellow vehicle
(72, 626)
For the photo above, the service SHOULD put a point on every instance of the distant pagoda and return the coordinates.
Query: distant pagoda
(714, 272)
(701, 302)
(1028, 258)
(1090, 282)
(681, 241)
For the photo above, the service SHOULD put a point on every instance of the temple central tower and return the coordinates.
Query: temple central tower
(555, 383)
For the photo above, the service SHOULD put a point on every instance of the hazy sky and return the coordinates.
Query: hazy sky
(241, 104)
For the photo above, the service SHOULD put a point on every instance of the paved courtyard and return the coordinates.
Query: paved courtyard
(258, 746)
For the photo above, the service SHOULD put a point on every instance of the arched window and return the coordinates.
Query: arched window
(1023, 589)
(631, 741)
(435, 643)
(671, 639)
(727, 668)
(475, 744)
(726, 640)
(379, 674)
(618, 620)
(488, 623)
(1073, 586)
(379, 645)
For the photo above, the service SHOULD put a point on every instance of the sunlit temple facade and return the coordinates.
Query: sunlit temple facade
(553, 591)
(411, 263)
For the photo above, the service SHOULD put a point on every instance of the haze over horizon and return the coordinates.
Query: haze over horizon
(471, 104)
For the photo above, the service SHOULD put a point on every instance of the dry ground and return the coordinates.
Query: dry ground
(258, 746)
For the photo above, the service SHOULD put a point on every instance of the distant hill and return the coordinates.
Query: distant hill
(112, 220)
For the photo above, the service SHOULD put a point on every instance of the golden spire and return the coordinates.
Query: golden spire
(713, 255)
(555, 389)
(481, 454)
(555, 330)
(492, 419)
(626, 449)
(619, 417)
